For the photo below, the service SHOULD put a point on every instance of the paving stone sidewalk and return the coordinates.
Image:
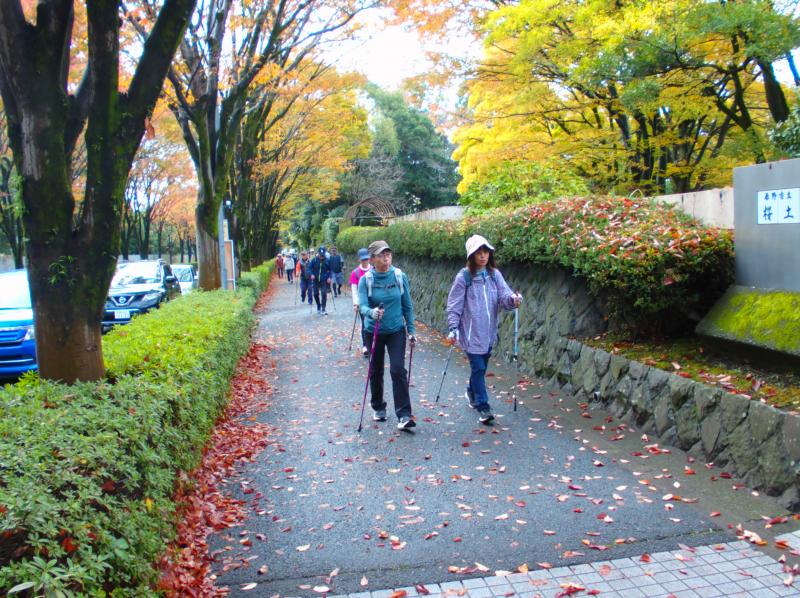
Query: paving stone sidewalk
(733, 569)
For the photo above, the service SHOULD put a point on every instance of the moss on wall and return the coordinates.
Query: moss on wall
(764, 318)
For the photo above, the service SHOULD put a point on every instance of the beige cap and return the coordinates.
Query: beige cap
(377, 247)
(475, 242)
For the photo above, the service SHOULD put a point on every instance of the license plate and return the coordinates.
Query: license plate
(122, 314)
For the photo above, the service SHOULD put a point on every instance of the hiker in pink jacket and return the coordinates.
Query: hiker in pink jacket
(359, 271)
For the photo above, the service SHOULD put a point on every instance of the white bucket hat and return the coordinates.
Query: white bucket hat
(475, 242)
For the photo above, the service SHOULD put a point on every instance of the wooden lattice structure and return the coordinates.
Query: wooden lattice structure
(370, 208)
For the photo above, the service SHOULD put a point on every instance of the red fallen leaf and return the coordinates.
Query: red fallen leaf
(570, 589)
(465, 444)
(725, 475)
(421, 589)
(645, 558)
(69, 544)
(458, 539)
(714, 514)
(288, 469)
(545, 565)
(398, 594)
(108, 486)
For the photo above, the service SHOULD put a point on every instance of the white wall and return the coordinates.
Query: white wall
(713, 207)
(443, 213)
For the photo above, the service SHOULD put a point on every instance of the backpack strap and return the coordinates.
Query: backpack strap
(398, 274)
(467, 277)
(370, 278)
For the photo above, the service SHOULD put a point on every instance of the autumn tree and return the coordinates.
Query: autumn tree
(295, 145)
(160, 175)
(626, 94)
(72, 248)
(230, 49)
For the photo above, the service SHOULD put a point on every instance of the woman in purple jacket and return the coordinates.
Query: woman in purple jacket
(478, 293)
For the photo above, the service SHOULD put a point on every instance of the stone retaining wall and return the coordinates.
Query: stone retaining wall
(749, 439)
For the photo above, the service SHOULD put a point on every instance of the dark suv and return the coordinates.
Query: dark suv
(138, 287)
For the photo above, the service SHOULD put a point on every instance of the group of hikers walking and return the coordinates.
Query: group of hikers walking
(381, 296)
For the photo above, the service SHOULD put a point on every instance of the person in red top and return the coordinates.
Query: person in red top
(359, 271)
(279, 265)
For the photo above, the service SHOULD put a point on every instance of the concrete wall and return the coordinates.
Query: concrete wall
(713, 207)
(749, 439)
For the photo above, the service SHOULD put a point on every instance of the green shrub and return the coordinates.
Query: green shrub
(649, 260)
(87, 472)
(258, 277)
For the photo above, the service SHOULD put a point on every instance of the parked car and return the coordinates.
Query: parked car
(138, 287)
(17, 336)
(187, 277)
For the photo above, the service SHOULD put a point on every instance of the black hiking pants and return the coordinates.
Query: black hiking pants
(395, 344)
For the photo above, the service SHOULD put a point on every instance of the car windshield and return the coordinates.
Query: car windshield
(135, 273)
(14, 292)
(182, 274)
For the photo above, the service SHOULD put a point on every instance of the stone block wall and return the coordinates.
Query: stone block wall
(749, 439)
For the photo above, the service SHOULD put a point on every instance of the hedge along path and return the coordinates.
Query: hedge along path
(654, 264)
(204, 505)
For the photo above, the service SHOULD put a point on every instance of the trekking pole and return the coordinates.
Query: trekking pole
(410, 357)
(444, 372)
(333, 298)
(516, 342)
(352, 334)
(369, 370)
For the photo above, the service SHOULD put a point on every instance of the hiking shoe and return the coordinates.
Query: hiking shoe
(324, 313)
(405, 423)
(486, 416)
(365, 351)
(379, 415)
(470, 396)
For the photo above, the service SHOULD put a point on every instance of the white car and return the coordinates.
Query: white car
(187, 277)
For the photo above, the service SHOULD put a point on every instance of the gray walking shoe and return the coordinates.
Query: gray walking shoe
(486, 416)
(405, 423)
(379, 415)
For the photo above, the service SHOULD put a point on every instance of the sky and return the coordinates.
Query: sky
(387, 54)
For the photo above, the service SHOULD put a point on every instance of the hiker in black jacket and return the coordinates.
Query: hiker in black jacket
(320, 273)
(337, 272)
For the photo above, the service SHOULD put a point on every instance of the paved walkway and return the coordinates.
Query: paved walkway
(581, 502)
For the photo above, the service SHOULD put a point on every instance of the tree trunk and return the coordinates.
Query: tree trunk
(208, 258)
(71, 260)
(776, 100)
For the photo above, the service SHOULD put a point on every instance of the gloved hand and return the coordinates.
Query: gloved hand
(412, 340)
(376, 313)
(452, 337)
(517, 299)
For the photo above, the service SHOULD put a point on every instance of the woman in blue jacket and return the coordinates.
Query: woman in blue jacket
(478, 294)
(387, 285)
